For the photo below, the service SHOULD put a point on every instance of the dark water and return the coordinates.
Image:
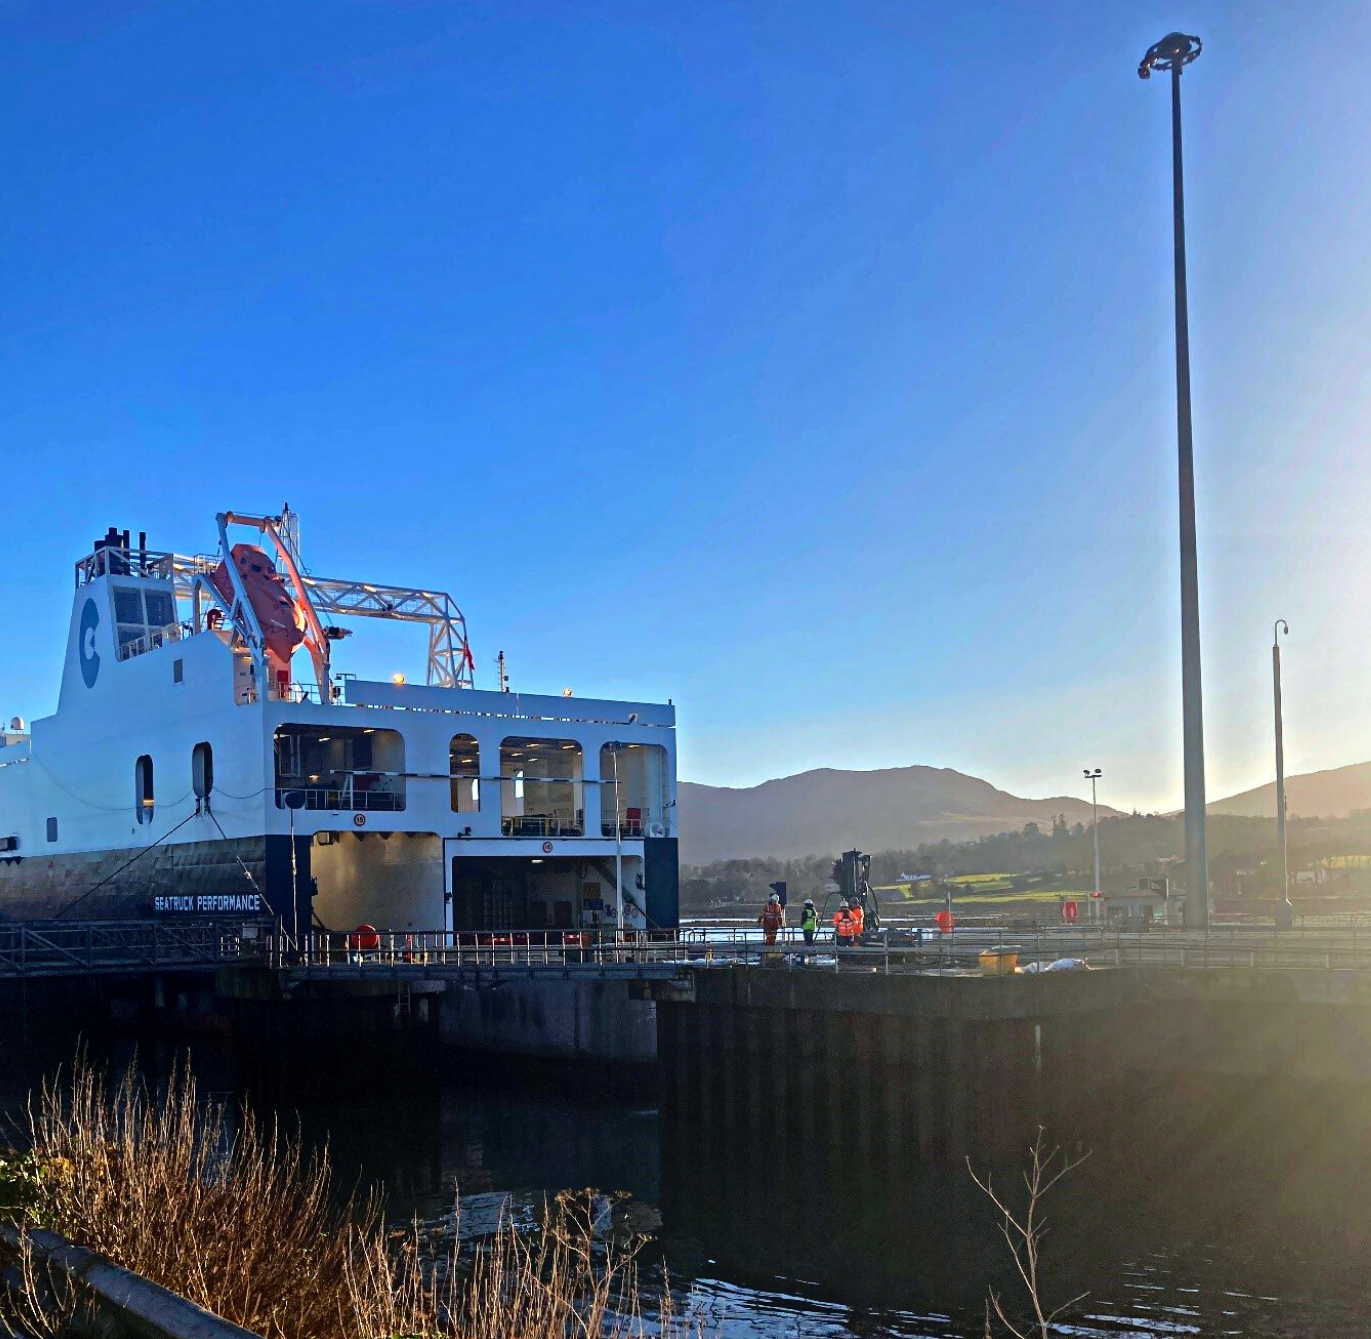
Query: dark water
(1252, 1220)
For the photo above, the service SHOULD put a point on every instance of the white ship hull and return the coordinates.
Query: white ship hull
(164, 782)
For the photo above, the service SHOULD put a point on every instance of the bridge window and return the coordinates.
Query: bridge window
(202, 770)
(340, 767)
(142, 789)
(464, 765)
(144, 618)
(52, 829)
(541, 788)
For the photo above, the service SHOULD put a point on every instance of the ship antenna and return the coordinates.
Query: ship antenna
(504, 678)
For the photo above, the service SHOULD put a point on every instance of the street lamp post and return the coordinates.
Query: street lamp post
(294, 799)
(618, 843)
(1092, 775)
(1285, 913)
(1174, 52)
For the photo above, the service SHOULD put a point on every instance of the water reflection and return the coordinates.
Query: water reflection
(1206, 1207)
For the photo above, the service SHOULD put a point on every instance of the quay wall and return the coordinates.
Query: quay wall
(542, 1017)
(548, 1018)
(908, 1070)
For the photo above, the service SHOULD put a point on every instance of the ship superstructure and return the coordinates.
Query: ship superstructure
(207, 755)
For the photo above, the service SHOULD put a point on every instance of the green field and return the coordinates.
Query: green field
(994, 887)
(1037, 895)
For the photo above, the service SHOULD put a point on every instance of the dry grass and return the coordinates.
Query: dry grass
(237, 1218)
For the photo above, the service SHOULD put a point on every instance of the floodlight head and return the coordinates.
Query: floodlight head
(1173, 52)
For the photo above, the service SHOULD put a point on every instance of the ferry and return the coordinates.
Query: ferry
(211, 755)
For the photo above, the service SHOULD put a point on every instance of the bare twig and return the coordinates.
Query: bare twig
(1023, 1233)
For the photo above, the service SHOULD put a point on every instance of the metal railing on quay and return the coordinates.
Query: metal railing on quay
(905, 947)
(55, 948)
(527, 949)
(892, 950)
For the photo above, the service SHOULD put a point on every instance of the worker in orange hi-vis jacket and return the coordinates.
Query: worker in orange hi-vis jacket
(771, 919)
(843, 926)
(854, 909)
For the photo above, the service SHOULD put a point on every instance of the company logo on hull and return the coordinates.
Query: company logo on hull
(202, 903)
(85, 646)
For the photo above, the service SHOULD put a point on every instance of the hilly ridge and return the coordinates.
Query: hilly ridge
(828, 810)
(1333, 793)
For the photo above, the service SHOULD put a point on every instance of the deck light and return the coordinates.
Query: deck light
(566, 692)
(397, 679)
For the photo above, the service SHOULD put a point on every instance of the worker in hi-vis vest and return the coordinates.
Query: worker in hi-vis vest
(854, 909)
(843, 926)
(809, 920)
(771, 919)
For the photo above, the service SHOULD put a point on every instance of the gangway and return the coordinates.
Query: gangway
(31, 949)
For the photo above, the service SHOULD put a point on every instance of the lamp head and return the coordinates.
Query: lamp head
(1173, 52)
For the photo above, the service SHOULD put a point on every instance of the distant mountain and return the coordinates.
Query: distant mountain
(1331, 794)
(826, 810)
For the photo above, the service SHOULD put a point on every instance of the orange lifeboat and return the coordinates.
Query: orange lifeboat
(280, 616)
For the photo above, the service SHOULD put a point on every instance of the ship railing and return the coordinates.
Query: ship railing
(150, 641)
(299, 692)
(113, 561)
(634, 823)
(544, 825)
(337, 799)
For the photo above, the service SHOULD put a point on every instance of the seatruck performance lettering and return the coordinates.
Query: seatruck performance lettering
(203, 903)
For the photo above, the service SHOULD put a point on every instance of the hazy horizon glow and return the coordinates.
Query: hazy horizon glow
(815, 373)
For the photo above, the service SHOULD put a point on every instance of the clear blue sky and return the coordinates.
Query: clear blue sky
(808, 364)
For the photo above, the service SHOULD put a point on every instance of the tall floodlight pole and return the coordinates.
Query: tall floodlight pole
(618, 844)
(1174, 52)
(1285, 913)
(1092, 775)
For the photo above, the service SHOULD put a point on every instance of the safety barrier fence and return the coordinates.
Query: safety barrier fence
(56, 948)
(894, 950)
(439, 948)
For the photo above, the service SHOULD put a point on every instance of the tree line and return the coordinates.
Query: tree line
(1244, 858)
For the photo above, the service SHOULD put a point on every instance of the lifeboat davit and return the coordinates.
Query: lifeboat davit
(279, 615)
